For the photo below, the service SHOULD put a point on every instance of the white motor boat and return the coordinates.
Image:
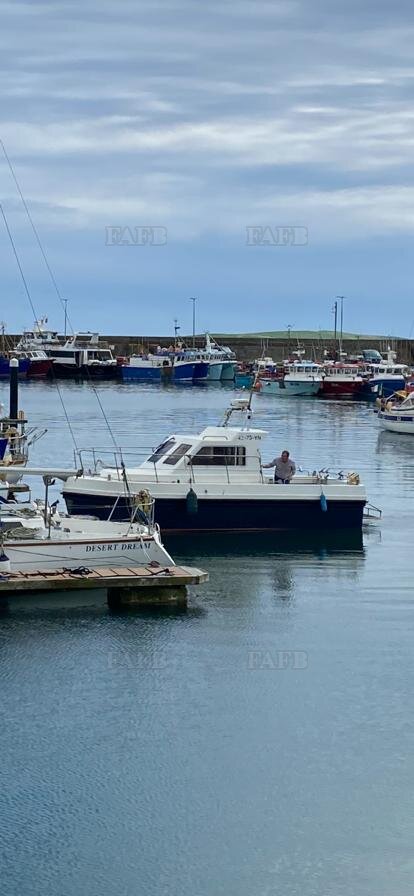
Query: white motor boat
(35, 536)
(301, 378)
(398, 416)
(214, 481)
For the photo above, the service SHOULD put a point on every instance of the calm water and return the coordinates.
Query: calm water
(261, 743)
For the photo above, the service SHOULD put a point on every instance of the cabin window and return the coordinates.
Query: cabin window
(220, 456)
(177, 454)
(162, 449)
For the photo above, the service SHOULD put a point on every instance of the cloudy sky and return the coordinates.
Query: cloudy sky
(207, 118)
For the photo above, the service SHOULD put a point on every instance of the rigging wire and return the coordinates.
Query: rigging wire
(127, 489)
(35, 231)
(18, 262)
(67, 417)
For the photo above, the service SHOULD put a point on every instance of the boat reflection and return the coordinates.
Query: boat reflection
(265, 544)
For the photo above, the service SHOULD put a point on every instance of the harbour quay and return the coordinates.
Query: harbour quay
(250, 346)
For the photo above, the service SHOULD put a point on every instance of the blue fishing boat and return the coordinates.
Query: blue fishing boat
(382, 379)
(147, 369)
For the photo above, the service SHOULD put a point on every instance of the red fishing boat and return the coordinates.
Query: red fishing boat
(341, 380)
(39, 363)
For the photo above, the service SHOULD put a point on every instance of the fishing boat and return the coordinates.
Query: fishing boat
(39, 366)
(247, 373)
(214, 481)
(147, 368)
(397, 414)
(341, 380)
(300, 378)
(221, 359)
(35, 536)
(384, 378)
(80, 355)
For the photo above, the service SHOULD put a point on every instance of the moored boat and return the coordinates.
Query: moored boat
(383, 378)
(147, 368)
(397, 415)
(300, 378)
(214, 481)
(40, 366)
(34, 536)
(80, 355)
(341, 380)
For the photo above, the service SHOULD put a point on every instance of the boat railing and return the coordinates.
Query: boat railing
(141, 507)
(93, 460)
(229, 467)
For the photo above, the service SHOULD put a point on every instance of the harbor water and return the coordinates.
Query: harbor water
(259, 743)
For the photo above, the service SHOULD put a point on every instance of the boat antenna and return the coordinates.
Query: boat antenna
(18, 262)
(35, 231)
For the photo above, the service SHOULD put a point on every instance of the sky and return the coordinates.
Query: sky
(268, 144)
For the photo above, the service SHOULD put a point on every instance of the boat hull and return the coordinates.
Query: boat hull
(5, 367)
(85, 371)
(340, 388)
(214, 371)
(146, 374)
(231, 515)
(201, 371)
(284, 389)
(41, 369)
(28, 555)
(383, 388)
(228, 371)
(401, 423)
(184, 372)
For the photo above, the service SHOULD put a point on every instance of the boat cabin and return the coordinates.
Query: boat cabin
(384, 369)
(342, 370)
(215, 451)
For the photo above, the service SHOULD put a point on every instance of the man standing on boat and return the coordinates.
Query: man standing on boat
(284, 468)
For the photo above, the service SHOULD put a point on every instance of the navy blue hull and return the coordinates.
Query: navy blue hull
(381, 388)
(173, 515)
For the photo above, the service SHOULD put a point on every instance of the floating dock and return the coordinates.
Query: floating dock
(137, 586)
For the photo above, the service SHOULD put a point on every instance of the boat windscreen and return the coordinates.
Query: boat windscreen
(161, 450)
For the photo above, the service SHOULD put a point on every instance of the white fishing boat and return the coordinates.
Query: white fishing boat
(398, 416)
(35, 536)
(300, 378)
(82, 354)
(214, 481)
